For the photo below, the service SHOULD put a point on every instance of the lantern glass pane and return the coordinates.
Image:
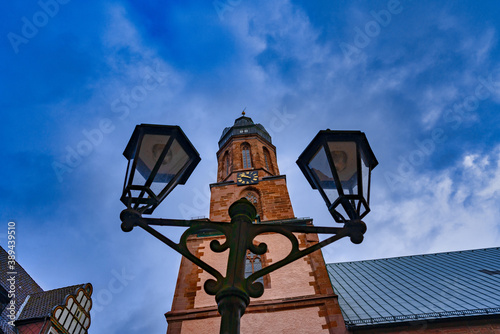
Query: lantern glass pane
(365, 174)
(320, 167)
(340, 209)
(175, 159)
(139, 179)
(345, 160)
(361, 210)
(151, 148)
(351, 204)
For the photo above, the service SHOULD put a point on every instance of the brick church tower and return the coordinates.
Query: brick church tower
(298, 298)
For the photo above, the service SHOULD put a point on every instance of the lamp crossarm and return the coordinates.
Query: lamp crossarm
(295, 252)
(131, 218)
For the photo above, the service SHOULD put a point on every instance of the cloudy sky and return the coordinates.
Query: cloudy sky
(420, 78)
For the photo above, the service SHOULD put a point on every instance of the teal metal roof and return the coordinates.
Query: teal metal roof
(421, 287)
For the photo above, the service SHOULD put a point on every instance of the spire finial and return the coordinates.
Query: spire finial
(243, 112)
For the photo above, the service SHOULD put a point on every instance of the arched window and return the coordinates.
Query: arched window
(227, 166)
(253, 264)
(267, 161)
(253, 197)
(245, 153)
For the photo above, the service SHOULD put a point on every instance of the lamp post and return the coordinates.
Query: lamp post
(337, 163)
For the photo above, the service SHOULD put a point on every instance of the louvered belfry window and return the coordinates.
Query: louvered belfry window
(227, 164)
(267, 161)
(245, 151)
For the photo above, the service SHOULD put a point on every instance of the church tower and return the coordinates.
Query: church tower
(248, 168)
(298, 298)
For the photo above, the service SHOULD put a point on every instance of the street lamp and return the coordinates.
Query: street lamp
(160, 157)
(339, 165)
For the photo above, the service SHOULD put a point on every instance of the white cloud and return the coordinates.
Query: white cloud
(454, 209)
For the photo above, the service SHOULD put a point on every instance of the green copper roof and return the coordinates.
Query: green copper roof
(421, 287)
(243, 126)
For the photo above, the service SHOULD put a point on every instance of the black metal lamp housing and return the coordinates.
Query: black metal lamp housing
(159, 157)
(339, 165)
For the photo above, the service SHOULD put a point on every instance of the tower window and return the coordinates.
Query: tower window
(227, 164)
(245, 152)
(253, 264)
(253, 197)
(267, 160)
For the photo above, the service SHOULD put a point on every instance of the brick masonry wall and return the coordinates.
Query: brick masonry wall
(273, 197)
(188, 278)
(35, 327)
(489, 325)
(298, 320)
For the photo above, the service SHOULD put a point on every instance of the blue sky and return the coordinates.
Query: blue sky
(420, 78)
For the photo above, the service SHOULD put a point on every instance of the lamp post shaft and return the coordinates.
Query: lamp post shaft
(231, 308)
(233, 299)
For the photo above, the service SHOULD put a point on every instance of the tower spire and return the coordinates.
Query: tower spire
(243, 112)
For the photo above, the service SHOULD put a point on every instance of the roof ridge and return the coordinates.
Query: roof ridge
(61, 288)
(19, 267)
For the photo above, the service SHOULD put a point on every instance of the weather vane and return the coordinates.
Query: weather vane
(243, 112)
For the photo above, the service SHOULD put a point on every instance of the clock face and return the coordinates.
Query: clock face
(244, 178)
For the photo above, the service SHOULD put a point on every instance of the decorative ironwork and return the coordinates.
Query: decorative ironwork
(233, 291)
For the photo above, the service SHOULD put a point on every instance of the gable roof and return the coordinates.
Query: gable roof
(25, 285)
(421, 287)
(40, 304)
(22, 277)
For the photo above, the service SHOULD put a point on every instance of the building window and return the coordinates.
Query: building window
(253, 264)
(245, 152)
(253, 197)
(226, 166)
(267, 160)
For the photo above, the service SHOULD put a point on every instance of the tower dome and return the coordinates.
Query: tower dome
(243, 126)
